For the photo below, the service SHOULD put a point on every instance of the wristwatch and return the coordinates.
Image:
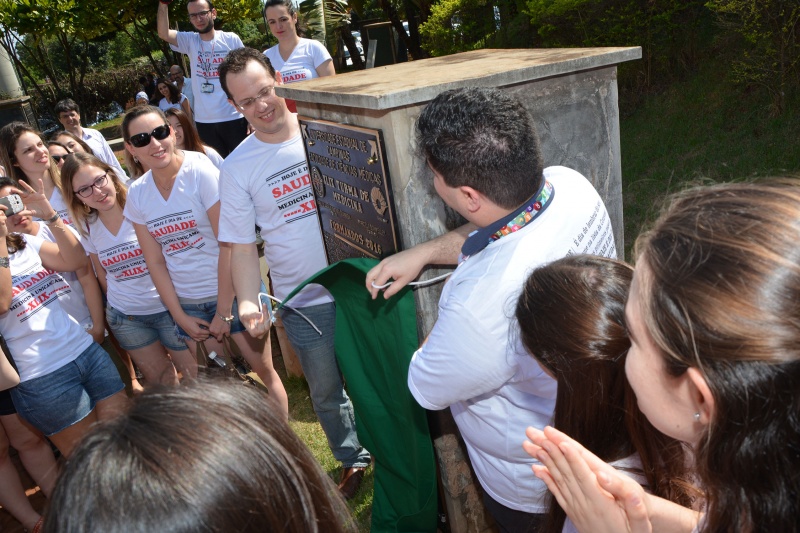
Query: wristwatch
(4, 262)
(226, 319)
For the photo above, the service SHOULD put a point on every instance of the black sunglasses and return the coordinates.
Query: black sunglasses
(140, 140)
(58, 158)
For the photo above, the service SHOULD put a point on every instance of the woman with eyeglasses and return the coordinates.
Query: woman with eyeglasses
(295, 57)
(187, 138)
(173, 98)
(135, 313)
(67, 381)
(59, 152)
(22, 147)
(174, 208)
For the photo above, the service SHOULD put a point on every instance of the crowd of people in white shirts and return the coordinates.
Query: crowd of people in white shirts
(672, 385)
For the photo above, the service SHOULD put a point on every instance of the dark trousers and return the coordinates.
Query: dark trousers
(223, 136)
(511, 520)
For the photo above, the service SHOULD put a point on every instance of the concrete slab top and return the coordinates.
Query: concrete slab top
(420, 81)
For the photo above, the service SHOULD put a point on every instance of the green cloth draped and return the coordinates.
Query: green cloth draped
(375, 340)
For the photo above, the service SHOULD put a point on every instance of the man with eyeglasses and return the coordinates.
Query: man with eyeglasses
(220, 125)
(183, 83)
(265, 181)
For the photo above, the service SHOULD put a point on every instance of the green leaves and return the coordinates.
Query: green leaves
(323, 20)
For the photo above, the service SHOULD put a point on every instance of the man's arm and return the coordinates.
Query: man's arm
(246, 275)
(162, 25)
(463, 357)
(406, 266)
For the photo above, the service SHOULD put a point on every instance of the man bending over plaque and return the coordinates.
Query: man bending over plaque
(484, 154)
(256, 180)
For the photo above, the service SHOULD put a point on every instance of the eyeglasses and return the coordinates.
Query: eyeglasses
(140, 140)
(86, 192)
(58, 158)
(247, 103)
(199, 15)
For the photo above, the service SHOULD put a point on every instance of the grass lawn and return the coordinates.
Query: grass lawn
(699, 130)
(304, 422)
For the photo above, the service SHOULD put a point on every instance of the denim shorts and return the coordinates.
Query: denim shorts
(138, 331)
(64, 397)
(207, 310)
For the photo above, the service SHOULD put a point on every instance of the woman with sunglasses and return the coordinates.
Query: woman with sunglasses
(173, 98)
(77, 145)
(67, 381)
(295, 57)
(59, 152)
(187, 138)
(135, 313)
(73, 143)
(174, 208)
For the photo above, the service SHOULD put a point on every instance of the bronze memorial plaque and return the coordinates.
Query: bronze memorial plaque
(352, 189)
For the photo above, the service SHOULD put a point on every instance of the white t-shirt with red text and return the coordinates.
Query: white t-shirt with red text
(205, 58)
(302, 63)
(40, 335)
(268, 185)
(59, 206)
(180, 223)
(130, 287)
(74, 300)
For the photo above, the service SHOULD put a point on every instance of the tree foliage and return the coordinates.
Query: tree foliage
(63, 41)
(670, 32)
(461, 25)
(771, 29)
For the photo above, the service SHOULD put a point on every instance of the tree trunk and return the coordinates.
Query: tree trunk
(350, 43)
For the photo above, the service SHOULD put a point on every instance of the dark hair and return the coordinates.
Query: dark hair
(65, 106)
(136, 112)
(75, 138)
(135, 168)
(571, 316)
(210, 4)
(236, 61)
(719, 293)
(485, 139)
(14, 241)
(289, 5)
(60, 144)
(9, 136)
(78, 210)
(191, 138)
(207, 456)
(174, 94)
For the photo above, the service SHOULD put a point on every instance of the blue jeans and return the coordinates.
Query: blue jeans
(64, 397)
(318, 359)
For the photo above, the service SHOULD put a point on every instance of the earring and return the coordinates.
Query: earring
(697, 417)
(135, 159)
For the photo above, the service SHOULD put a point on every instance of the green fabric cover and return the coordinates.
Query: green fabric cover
(375, 340)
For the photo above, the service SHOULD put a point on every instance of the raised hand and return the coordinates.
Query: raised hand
(580, 482)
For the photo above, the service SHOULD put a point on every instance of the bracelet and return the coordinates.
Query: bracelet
(227, 320)
(52, 219)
